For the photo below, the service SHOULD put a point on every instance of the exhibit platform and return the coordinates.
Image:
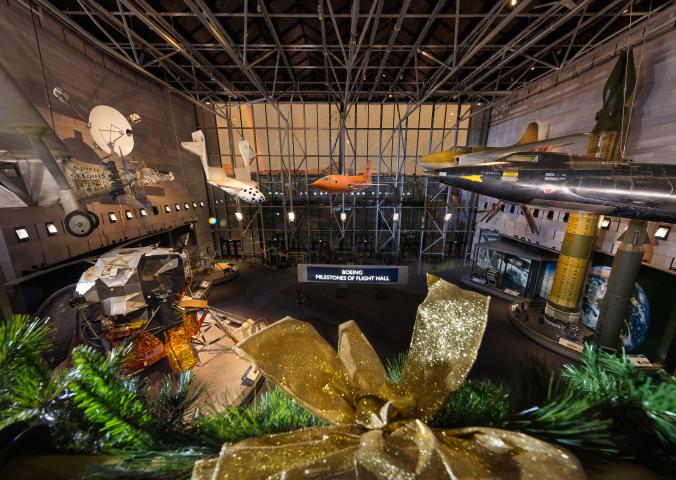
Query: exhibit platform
(528, 318)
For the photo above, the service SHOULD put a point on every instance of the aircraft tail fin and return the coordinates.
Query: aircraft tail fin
(367, 171)
(530, 135)
(198, 147)
(247, 154)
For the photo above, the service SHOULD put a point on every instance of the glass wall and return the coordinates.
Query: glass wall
(399, 215)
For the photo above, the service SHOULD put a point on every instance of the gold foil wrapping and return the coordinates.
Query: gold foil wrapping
(146, 350)
(180, 354)
(378, 430)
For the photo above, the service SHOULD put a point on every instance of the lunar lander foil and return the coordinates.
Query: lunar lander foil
(142, 296)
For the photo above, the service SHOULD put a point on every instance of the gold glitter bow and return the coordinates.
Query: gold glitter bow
(378, 429)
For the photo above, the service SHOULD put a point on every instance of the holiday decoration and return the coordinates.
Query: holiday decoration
(378, 427)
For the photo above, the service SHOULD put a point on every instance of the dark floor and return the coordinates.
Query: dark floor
(385, 314)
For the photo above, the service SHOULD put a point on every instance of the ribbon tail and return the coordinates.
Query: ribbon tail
(312, 453)
(477, 452)
(293, 355)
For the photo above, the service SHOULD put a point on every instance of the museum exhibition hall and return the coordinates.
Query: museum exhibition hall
(332, 239)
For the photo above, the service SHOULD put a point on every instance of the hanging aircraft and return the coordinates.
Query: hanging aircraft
(241, 187)
(37, 169)
(345, 183)
(470, 155)
(642, 191)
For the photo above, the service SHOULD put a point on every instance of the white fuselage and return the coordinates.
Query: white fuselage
(245, 190)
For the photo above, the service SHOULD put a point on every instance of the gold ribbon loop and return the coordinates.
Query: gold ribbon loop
(293, 355)
(379, 432)
(449, 326)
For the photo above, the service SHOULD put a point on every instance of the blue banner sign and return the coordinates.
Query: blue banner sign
(368, 274)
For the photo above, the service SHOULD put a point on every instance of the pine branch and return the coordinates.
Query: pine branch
(395, 366)
(478, 403)
(275, 412)
(175, 404)
(111, 402)
(24, 374)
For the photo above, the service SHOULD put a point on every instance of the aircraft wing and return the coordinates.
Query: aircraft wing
(359, 186)
(494, 153)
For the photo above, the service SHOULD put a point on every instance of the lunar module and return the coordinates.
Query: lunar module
(142, 296)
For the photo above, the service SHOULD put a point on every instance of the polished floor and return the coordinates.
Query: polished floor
(385, 314)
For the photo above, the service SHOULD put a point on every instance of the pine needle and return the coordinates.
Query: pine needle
(275, 412)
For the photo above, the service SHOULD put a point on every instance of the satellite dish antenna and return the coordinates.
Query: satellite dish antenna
(111, 130)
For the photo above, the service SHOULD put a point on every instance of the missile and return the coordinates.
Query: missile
(641, 191)
(617, 90)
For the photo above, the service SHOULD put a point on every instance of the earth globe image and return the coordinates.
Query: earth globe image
(639, 309)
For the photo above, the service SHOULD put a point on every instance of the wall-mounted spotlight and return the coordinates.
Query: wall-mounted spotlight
(239, 216)
(177, 207)
(21, 234)
(167, 209)
(143, 212)
(112, 217)
(662, 232)
(201, 203)
(128, 214)
(395, 217)
(194, 204)
(51, 229)
(605, 223)
(186, 205)
(292, 217)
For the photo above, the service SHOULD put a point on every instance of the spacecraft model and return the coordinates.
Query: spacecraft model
(470, 155)
(240, 187)
(37, 169)
(345, 183)
(573, 182)
(141, 297)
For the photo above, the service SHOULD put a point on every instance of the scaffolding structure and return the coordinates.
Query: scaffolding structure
(405, 56)
(402, 214)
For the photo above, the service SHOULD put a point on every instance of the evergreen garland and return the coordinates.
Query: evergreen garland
(603, 406)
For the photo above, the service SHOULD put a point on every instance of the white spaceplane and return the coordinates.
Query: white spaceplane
(242, 186)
